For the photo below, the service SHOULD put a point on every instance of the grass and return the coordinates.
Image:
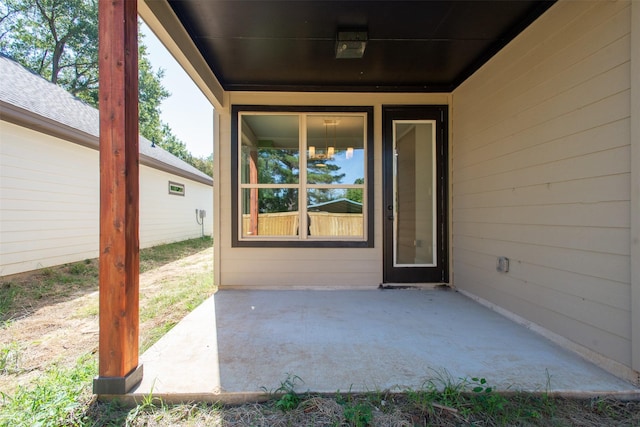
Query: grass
(10, 358)
(54, 399)
(158, 255)
(288, 407)
(61, 396)
(23, 293)
(170, 306)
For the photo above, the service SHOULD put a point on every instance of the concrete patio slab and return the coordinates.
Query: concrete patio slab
(238, 343)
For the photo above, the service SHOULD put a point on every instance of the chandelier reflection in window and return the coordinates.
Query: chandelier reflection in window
(328, 151)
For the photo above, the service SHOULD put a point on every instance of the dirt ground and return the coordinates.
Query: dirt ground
(62, 331)
(59, 330)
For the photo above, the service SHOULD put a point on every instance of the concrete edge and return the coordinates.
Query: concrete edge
(260, 397)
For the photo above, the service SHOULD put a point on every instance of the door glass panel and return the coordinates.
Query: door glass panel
(414, 190)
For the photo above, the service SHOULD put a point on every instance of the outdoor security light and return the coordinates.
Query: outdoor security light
(351, 44)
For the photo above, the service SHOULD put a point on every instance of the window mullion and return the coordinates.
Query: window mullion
(302, 194)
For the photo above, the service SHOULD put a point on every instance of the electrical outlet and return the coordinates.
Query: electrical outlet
(502, 265)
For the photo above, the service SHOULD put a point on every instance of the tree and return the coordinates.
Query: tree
(204, 164)
(58, 39)
(281, 166)
(150, 94)
(355, 194)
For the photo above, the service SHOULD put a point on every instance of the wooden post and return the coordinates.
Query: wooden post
(119, 256)
(253, 193)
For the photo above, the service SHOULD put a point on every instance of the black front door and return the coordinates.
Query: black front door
(415, 194)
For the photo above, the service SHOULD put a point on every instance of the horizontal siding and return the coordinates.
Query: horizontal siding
(502, 290)
(252, 267)
(167, 217)
(541, 175)
(304, 267)
(49, 202)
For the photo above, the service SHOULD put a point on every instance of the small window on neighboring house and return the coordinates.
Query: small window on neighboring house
(175, 188)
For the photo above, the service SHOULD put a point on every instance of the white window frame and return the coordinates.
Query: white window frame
(177, 185)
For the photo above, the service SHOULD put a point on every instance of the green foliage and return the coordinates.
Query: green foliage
(355, 194)
(204, 164)
(53, 400)
(162, 254)
(484, 400)
(10, 358)
(58, 39)
(475, 399)
(287, 398)
(151, 93)
(356, 413)
(7, 295)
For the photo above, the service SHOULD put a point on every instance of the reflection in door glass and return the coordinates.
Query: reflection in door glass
(414, 190)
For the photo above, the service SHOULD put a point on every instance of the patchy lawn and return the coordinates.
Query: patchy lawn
(48, 345)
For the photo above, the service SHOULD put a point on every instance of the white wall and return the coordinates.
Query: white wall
(166, 217)
(49, 198)
(541, 174)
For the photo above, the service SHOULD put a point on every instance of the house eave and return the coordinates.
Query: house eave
(28, 119)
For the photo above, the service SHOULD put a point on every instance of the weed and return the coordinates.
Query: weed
(79, 268)
(148, 405)
(358, 414)
(7, 295)
(10, 359)
(288, 399)
(52, 400)
(484, 400)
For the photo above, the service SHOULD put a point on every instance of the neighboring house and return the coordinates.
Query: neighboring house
(49, 179)
(526, 147)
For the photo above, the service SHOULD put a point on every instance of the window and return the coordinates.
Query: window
(175, 188)
(302, 176)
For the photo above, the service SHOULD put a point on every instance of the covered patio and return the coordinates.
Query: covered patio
(516, 134)
(241, 342)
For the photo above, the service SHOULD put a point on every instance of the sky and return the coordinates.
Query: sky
(187, 111)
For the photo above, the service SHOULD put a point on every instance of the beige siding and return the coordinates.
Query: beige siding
(302, 267)
(541, 175)
(49, 198)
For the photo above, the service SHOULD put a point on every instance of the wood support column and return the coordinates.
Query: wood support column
(253, 197)
(119, 170)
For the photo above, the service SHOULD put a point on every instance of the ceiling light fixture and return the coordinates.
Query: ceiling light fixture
(328, 153)
(351, 44)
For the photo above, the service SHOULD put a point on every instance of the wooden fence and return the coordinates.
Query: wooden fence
(322, 224)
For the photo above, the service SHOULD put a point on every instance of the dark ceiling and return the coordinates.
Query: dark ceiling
(413, 46)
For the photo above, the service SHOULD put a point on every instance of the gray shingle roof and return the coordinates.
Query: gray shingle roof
(25, 90)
